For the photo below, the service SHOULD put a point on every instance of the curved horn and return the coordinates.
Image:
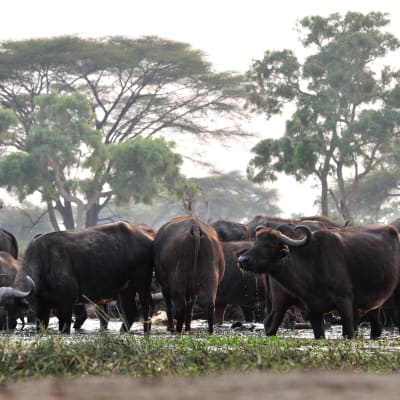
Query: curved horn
(258, 227)
(297, 242)
(20, 293)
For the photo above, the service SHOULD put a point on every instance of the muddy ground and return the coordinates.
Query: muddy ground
(294, 385)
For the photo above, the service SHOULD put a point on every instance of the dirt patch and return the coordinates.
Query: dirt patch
(294, 385)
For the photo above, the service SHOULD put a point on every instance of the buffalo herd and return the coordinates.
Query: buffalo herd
(270, 264)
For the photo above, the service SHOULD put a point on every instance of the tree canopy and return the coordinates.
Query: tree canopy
(84, 111)
(346, 111)
(65, 158)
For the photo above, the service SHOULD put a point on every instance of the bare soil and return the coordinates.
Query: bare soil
(293, 385)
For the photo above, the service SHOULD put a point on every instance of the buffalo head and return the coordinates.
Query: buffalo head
(270, 247)
(14, 304)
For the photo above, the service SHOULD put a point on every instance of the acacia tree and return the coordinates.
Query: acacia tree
(342, 127)
(137, 88)
(64, 157)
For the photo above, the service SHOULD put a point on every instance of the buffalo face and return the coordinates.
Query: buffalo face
(11, 308)
(270, 247)
(14, 305)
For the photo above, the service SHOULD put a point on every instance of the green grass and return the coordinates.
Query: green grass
(132, 355)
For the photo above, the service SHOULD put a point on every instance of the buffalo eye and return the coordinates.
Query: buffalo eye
(284, 250)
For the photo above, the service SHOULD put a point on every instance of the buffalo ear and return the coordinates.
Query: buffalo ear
(284, 251)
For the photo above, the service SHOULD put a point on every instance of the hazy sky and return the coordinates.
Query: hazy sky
(231, 33)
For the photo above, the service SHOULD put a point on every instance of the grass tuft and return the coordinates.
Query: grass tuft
(106, 355)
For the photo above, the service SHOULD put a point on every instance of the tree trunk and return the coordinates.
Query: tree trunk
(343, 204)
(66, 214)
(92, 215)
(52, 216)
(324, 196)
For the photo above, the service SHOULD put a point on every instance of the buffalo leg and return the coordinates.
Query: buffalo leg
(249, 313)
(210, 317)
(219, 315)
(188, 315)
(128, 309)
(180, 314)
(273, 321)
(170, 314)
(317, 324)
(396, 307)
(65, 317)
(375, 319)
(348, 317)
(80, 315)
(145, 301)
(42, 315)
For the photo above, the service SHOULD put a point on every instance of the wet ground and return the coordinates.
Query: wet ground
(92, 326)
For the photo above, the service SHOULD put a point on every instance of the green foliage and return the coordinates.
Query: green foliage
(345, 116)
(143, 168)
(60, 143)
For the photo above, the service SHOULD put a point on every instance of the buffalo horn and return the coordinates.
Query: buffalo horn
(297, 242)
(20, 293)
(258, 227)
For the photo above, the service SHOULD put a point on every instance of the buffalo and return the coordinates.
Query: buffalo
(8, 270)
(189, 265)
(97, 264)
(273, 222)
(8, 242)
(229, 231)
(245, 289)
(352, 272)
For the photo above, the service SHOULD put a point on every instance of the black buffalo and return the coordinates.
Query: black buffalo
(8, 270)
(273, 222)
(8, 242)
(229, 231)
(96, 265)
(189, 265)
(237, 287)
(352, 272)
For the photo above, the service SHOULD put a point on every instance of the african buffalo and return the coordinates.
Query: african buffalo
(95, 265)
(8, 270)
(274, 222)
(238, 287)
(8, 242)
(352, 272)
(229, 231)
(189, 265)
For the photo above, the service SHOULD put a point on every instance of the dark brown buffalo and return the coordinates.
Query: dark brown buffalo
(98, 264)
(8, 270)
(274, 222)
(189, 265)
(104, 311)
(229, 231)
(8, 242)
(239, 287)
(352, 272)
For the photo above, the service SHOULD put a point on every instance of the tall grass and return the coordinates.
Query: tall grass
(133, 355)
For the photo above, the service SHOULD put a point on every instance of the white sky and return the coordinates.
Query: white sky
(232, 33)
